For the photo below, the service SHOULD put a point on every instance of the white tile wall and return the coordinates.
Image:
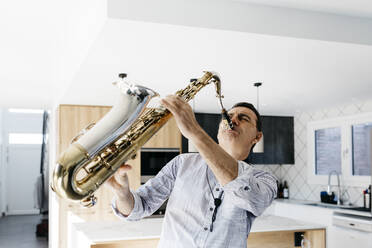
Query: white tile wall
(296, 175)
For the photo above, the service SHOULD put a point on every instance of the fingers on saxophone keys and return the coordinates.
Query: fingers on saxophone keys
(124, 168)
(172, 102)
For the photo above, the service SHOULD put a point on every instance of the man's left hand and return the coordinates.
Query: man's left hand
(183, 115)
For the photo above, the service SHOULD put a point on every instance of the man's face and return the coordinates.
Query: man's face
(244, 135)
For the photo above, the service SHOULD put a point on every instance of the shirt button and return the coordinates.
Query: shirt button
(217, 189)
(246, 188)
(211, 209)
(205, 229)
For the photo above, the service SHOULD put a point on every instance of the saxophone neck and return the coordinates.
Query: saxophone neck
(225, 117)
(196, 85)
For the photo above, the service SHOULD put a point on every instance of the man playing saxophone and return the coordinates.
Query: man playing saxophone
(213, 196)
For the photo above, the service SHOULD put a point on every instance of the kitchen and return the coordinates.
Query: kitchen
(311, 69)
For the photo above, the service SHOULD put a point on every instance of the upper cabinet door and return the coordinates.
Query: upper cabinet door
(74, 118)
(278, 142)
(278, 138)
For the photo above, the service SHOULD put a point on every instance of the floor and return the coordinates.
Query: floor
(18, 231)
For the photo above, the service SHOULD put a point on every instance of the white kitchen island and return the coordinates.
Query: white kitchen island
(267, 230)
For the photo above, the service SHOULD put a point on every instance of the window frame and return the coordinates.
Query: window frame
(345, 123)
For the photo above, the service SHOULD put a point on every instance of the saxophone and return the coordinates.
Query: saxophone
(98, 152)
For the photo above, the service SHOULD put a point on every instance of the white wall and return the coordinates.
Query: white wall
(79, 24)
(53, 200)
(47, 41)
(296, 174)
(1, 164)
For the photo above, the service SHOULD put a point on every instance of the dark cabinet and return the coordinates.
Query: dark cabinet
(278, 141)
(278, 138)
(209, 122)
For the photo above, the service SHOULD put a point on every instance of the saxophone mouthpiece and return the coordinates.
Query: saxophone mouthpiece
(226, 120)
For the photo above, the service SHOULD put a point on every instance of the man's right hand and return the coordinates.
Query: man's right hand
(119, 184)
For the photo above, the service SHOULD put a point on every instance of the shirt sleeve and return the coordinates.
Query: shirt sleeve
(253, 189)
(150, 196)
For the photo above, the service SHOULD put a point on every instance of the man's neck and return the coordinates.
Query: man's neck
(238, 155)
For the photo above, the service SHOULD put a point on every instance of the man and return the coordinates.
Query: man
(213, 195)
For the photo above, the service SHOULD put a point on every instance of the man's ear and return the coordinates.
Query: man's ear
(258, 137)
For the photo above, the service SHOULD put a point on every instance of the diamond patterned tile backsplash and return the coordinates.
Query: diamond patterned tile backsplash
(296, 175)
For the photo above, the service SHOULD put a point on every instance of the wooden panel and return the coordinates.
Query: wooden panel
(168, 136)
(144, 243)
(271, 240)
(285, 239)
(281, 239)
(72, 119)
(317, 238)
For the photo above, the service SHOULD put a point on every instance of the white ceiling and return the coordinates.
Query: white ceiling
(298, 73)
(358, 8)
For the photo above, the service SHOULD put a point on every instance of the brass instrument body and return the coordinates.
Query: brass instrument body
(79, 174)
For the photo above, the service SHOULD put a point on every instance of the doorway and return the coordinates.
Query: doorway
(22, 149)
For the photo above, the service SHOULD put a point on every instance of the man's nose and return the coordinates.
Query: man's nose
(235, 120)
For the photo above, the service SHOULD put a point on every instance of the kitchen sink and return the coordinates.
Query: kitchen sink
(328, 205)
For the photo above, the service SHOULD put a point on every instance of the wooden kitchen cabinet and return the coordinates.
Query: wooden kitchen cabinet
(71, 119)
(168, 136)
(141, 243)
(285, 239)
(277, 239)
(267, 231)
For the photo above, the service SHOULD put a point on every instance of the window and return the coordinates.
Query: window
(25, 138)
(361, 137)
(341, 144)
(26, 111)
(327, 150)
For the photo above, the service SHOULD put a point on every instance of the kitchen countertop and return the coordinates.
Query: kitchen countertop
(149, 228)
(346, 209)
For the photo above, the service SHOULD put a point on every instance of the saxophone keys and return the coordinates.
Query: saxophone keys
(89, 201)
(133, 156)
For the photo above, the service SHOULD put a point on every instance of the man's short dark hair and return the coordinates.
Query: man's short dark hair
(251, 107)
(258, 122)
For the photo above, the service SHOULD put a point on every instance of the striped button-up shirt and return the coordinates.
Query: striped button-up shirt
(187, 223)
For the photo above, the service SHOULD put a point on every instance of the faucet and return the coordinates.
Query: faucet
(339, 202)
